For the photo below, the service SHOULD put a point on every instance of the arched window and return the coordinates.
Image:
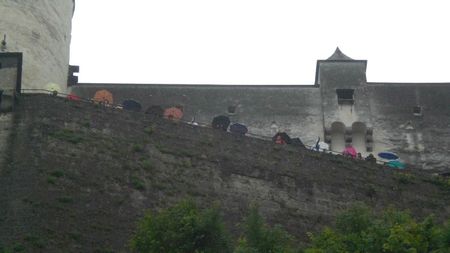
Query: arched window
(359, 131)
(337, 136)
(231, 109)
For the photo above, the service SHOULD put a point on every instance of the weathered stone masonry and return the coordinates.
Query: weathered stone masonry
(412, 119)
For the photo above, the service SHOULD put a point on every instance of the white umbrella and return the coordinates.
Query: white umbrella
(53, 87)
(324, 146)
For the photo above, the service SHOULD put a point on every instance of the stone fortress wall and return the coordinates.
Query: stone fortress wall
(411, 119)
(341, 108)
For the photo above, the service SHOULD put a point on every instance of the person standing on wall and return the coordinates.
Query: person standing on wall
(1, 94)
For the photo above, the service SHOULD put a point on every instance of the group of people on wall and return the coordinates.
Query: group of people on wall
(1, 95)
(220, 122)
(350, 151)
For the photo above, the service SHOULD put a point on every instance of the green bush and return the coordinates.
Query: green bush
(137, 183)
(147, 165)
(65, 199)
(137, 148)
(404, 178)
(51, 180)
(149, 130)
(260, 238)
(180, 229)
(359, 230)
(57, 173)
(16, 248)
(444, 238)
(67, 135)
(183, 228)
(442, 182)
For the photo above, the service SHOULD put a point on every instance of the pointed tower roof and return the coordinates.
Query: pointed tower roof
(338, 56)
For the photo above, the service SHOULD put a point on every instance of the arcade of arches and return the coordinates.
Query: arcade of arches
(358, 135)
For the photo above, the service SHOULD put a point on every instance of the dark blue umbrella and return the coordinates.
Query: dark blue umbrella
(131, 105)
(388, 155)
(155, 110)
(239, 129)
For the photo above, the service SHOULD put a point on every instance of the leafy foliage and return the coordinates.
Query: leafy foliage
(67, 135)
(442, 182)
(182, 229)
(185, 229)
(260, 238)
(359, 230)
(137, 183)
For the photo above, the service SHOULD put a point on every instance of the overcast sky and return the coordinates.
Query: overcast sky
(257, 41)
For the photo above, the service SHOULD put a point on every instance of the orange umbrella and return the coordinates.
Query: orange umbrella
(103, 96)
(173, 113)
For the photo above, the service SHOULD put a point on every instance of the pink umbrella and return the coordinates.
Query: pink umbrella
(350, 151)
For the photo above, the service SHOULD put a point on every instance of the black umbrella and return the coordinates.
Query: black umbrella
(155, 110)
(297, 142)
(131, 105)
(221, 122)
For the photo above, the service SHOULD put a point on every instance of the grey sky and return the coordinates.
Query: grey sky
(257, 41)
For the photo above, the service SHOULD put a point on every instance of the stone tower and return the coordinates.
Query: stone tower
(342, 82)
(41, 31)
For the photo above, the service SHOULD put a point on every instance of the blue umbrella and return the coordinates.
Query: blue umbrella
(388, 155)
(131, 105)
(239, 129)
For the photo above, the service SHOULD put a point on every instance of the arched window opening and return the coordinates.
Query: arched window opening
(337, 136)
(231, 109)
(359, 131)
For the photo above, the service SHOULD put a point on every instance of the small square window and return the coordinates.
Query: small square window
(345, 96)
(231, 109)
(417, 111)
